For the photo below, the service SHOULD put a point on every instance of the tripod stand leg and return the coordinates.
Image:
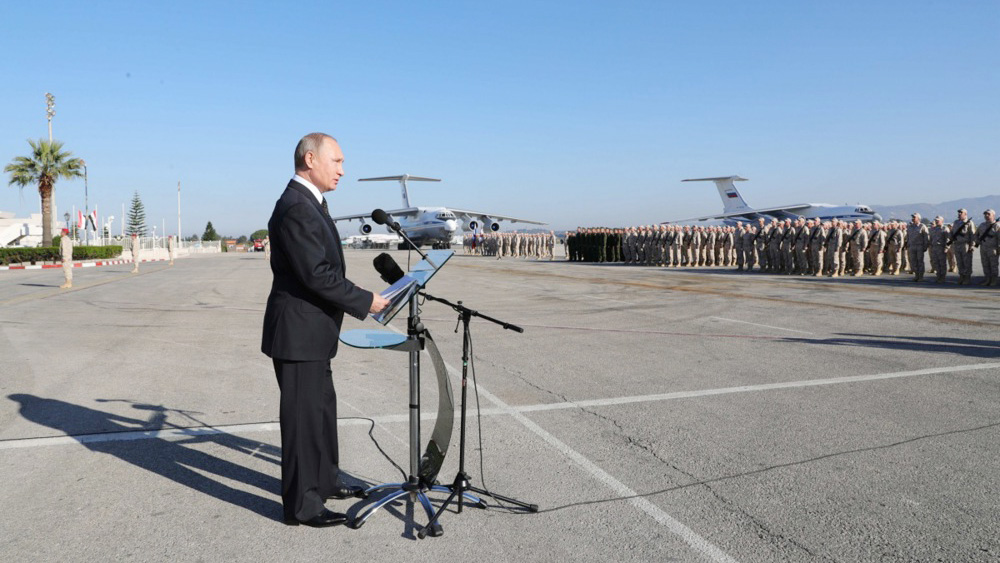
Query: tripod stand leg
(360, 521)
(508, 500)
(433, 527)
(433, 522)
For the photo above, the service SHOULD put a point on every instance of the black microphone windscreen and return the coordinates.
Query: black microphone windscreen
(380, 217)
(387, 268)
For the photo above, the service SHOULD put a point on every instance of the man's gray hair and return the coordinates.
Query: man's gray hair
(310, 143)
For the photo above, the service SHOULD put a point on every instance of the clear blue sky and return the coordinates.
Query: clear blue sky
(572, 112)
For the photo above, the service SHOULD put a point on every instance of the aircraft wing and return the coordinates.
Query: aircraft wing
(785, 210)
(394, 213)
(464, 215)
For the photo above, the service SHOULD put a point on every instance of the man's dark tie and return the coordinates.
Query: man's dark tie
(326, 211)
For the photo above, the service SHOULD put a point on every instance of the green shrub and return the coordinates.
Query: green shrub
(51, 254)
(96, 252)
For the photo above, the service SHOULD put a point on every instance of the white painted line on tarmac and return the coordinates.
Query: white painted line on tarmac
(753, 388)
(180, 433)
(756, 324)
(687, 534)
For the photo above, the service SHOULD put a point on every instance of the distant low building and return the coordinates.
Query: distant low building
(20, 231)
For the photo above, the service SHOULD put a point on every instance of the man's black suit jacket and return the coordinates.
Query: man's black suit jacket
(309, 294)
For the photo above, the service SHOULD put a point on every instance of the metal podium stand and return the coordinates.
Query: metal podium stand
(422, 470)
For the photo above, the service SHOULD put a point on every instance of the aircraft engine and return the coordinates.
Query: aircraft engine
(471, 226)
(365, 228)
(491, 224)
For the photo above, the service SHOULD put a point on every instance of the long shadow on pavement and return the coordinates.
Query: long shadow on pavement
(978, 348)
(173, 459)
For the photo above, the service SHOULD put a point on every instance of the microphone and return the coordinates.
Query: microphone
(382, 218)
(387, 268)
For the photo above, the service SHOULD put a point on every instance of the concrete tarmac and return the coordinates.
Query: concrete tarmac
(653, 415)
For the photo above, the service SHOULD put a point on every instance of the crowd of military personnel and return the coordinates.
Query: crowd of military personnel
(512, 245)
(804, 247)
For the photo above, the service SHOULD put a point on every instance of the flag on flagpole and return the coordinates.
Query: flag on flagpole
(79, 219)
(92, 219)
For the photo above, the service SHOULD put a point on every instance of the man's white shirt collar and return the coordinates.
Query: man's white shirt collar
(309, 186)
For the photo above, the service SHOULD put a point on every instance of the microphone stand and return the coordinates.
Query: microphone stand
(461, 485)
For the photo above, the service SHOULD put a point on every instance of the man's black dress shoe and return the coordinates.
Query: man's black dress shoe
(343, 492)
(324, 519)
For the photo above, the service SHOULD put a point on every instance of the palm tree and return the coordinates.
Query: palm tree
(47, 163)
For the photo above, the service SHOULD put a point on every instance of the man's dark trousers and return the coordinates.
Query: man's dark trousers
(308, 436)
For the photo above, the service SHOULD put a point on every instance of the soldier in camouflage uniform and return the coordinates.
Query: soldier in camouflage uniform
(741, 258)
(893, 246)
(760, 244)
(876, 246)
(963, 233)
(831, 248)
(858, 244)
(987, 239)
(817, 239)
(66, 253)
(918, 239)
(802, 230)
(938, 242)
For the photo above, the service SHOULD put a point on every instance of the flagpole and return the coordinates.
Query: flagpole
(179, 211)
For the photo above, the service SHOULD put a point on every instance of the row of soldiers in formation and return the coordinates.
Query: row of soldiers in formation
(514, 244)
(805, 246)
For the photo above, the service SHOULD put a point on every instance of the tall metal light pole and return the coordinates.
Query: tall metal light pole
(86, 205)
(50, 112)
(179, 238)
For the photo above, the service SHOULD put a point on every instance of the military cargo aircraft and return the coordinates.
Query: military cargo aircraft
(431, 225)
(735, 208)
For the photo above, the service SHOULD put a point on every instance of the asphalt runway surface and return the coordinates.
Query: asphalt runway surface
(653, 415)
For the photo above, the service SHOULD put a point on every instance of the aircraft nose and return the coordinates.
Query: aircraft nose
(877, 216)
(451, 225)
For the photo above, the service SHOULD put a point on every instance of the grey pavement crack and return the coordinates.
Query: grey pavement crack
(765, 531)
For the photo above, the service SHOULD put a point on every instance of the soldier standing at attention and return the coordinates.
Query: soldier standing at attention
(859, 242)
(939, 240)
(750, 246)
(760, 243)
(842, 252)
(802, 231)
(894, 243)
(875, 248)
(171, 249)
(694, 241)
(918, 238)
(963, 234)
(66, 250)
(949, 251)
(135, 253)
(738, 247)
(817, 239)
(831, 248)
(708, 244)
(987, 239)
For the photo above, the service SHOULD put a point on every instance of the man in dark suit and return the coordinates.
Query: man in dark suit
(309, 296)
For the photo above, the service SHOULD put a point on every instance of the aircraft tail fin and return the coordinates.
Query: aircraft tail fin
(402, 182)
(732, 201)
